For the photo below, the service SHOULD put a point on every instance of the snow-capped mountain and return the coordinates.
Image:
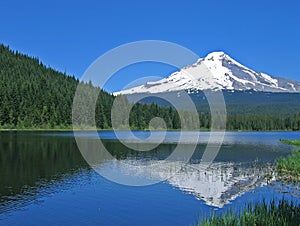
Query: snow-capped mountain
(217, 71)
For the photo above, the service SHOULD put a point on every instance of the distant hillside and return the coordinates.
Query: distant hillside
(246, 102)
(246, 110)
(35, 96)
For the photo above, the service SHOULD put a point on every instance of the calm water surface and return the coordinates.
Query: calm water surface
(46, 181)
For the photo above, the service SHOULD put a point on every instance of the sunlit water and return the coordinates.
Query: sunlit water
(45, 180)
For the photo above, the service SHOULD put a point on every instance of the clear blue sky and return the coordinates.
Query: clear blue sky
(69, 35)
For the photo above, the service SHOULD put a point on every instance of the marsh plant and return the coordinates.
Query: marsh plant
(288, 168)
(276, 213)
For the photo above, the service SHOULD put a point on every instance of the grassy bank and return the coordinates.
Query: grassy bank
(291, 142)
(70, 128)
(282, 213)
(288, 168)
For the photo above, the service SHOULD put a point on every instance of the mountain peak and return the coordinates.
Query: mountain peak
(220, 56)
(224, 73)
(216, 55)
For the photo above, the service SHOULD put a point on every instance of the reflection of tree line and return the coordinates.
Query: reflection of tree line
(25, 160)
(121, 152)
(229, 153)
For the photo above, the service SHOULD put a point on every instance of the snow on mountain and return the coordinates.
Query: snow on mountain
(217, 71)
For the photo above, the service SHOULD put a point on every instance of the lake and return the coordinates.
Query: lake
(45, 180)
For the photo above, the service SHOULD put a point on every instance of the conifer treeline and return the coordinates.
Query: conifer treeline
(35, 96)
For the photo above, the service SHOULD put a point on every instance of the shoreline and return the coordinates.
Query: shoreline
(91, 129)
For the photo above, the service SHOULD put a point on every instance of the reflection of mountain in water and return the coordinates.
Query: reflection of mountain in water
(33, 164)
(220, 183)
(238, 168)
(217, 185)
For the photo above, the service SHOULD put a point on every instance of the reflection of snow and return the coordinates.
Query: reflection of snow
(217, 185)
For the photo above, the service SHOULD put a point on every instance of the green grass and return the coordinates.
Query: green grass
(291, 142)
(288, 169)
(283, 213)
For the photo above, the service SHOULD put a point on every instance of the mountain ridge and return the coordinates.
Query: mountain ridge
(217, 71)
